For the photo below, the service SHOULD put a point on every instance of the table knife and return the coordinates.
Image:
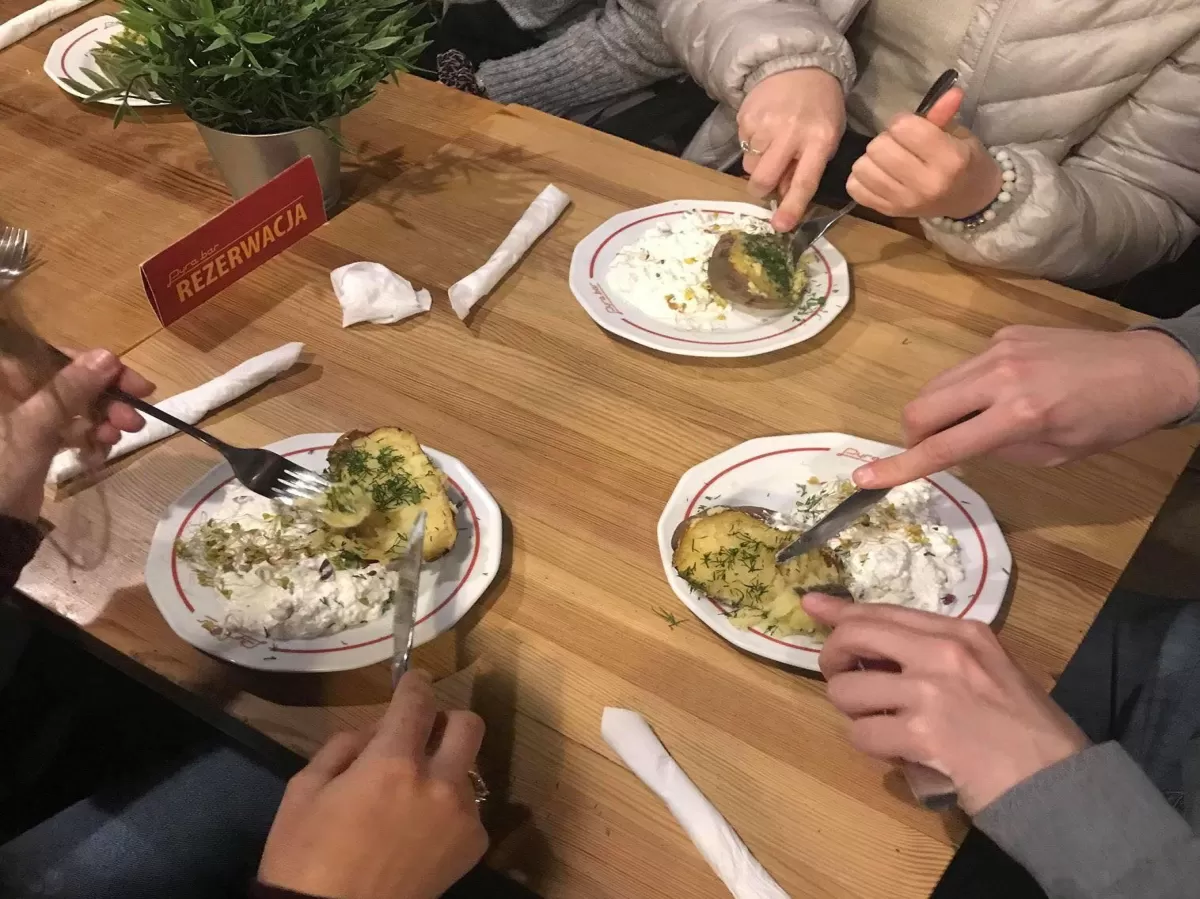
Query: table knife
(841, 517)
(404, 598)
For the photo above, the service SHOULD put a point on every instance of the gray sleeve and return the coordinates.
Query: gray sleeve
(611, 52)
(1094, 827)
(1186, 331)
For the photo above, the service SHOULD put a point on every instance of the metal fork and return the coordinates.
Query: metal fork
(262, 471)
(14, 254)
(811, 229)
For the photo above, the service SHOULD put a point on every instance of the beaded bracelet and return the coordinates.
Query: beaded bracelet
(1008, 178)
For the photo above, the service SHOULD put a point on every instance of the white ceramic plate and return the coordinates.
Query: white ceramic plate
(828, 272)
(72, 53)
(766, 472)
(448, 588)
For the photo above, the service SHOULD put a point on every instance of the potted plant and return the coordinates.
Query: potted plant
(265, 81)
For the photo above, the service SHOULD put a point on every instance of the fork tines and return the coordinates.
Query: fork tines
(301, 483)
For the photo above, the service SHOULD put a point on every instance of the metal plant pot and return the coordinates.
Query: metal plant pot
(248, 161)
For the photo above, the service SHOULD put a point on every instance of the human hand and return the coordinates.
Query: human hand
(793, 121)
(38, 420)
(388, 814)
(950, 699)
(1045, 396)
(916, 169)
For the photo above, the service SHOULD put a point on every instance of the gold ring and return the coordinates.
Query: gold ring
(746, 148)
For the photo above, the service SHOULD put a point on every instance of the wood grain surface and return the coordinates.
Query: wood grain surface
(100, 201)
(581, 438)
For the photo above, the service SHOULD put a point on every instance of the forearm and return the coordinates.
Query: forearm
(1074, 224)
(1094, 827)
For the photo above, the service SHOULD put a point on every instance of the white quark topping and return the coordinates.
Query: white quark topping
(265, 559)
(665, 272)
(900, 553)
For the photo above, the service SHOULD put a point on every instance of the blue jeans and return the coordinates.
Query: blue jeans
(195, 833)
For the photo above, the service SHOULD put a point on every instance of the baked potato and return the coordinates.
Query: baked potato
(729, 555)
(382, 479)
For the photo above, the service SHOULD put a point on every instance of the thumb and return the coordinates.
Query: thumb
(825, 609)
(70, 394)
(946, 108)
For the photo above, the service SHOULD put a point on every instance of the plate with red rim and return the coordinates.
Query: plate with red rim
(449, 586)
(768, 472)
(71, 54)
(827, 296)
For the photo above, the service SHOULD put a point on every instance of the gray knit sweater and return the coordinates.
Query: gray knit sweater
(596, 51)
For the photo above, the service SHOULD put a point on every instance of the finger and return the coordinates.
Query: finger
(864, 197)
(942, 113)
(805, 179)
(124, 418)
(774, 161)
(891, 158)
(974, 437)
(883, 184)
(335, 757)
(408, 722)
(936, 411)
(106, 434)
(69, 395)
(965, 370)
(825, 609)
(134, 383)
(859, 693)
(925, 140)
(853, 641)
(887, 737)
(459, 746)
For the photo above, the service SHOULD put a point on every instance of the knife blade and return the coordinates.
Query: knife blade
(837, 520)
(404, 598)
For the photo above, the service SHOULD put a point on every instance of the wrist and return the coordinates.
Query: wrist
(1177, 376)
(1010, 772)
(986, 177)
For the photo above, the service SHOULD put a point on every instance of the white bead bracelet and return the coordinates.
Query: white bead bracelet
(1008, 186)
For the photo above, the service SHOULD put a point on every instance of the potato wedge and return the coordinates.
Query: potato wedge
(390, 466)
(729, 555)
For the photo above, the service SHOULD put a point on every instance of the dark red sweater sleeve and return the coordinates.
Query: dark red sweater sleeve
(19, 540)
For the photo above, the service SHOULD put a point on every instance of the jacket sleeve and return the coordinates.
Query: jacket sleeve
(1094, 827)
(19, 540)
(729, 46)
(1123, 202)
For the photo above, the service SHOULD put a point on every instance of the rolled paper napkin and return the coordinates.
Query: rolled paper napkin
(541, 214)
(191, 406)
(32, 19)
(632, 739)
(370, 292)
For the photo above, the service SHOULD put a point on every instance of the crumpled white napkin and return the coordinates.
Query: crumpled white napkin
(632, 739)
(370, 292)
(191, 406)
(32, 19)
(541, 214)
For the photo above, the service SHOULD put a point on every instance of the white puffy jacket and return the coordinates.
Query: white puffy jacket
(1097, 100)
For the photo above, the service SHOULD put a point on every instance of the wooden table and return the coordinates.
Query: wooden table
(100, 201)
(581, 438)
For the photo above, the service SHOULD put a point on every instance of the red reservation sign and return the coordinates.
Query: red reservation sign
(235, 242)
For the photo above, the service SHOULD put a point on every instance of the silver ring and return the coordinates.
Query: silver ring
(746, 148)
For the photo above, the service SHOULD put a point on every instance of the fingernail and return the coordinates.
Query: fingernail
(865, 477)
(101, 362)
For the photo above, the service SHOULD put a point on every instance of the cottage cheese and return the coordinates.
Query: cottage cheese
(664, 273)
(899, 553)
(265, 559)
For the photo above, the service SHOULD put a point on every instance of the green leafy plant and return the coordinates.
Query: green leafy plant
(257, 66)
